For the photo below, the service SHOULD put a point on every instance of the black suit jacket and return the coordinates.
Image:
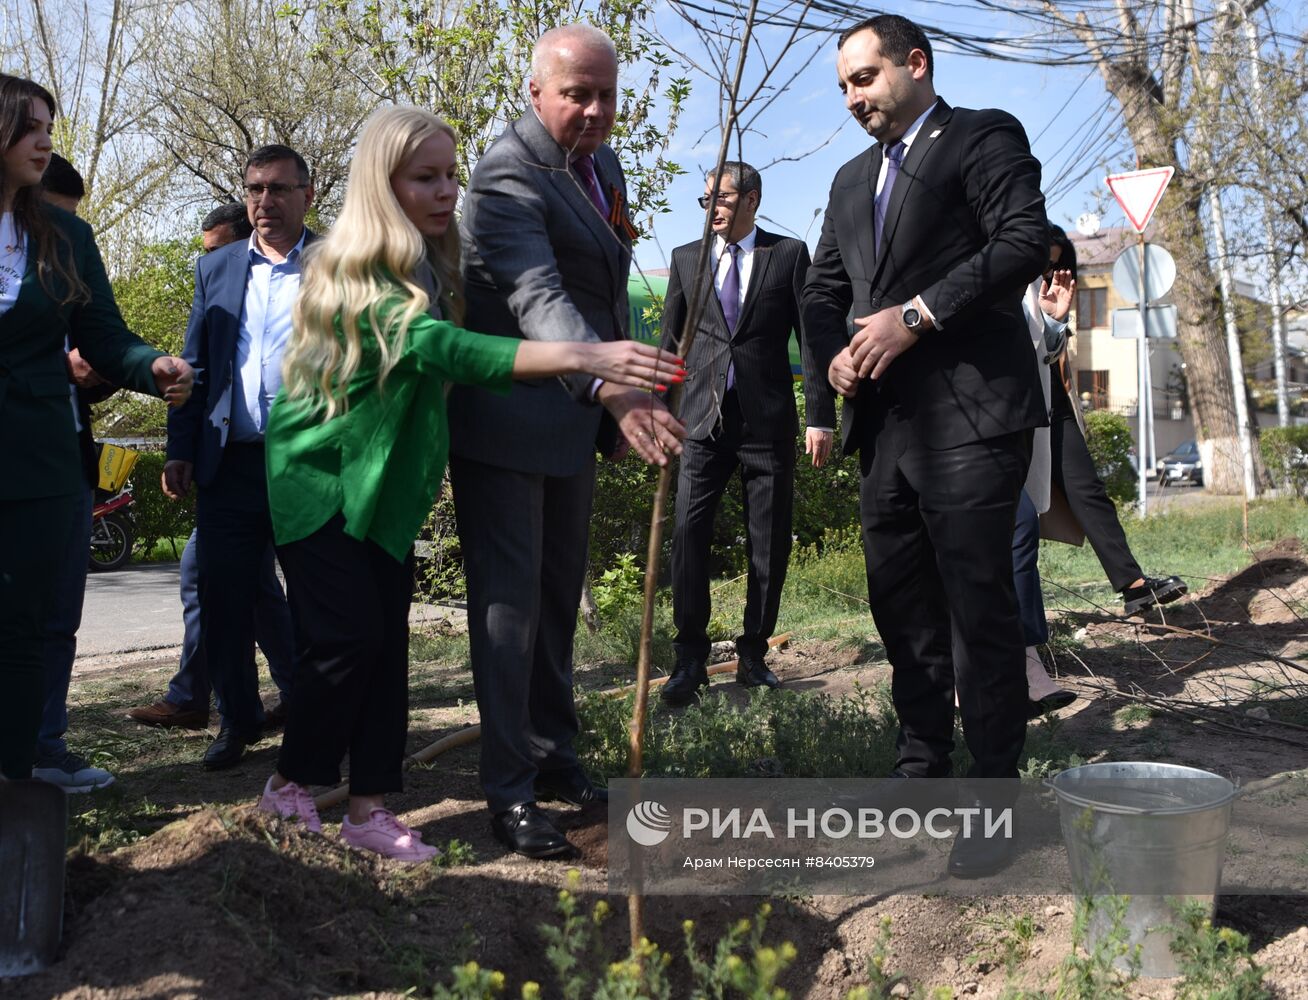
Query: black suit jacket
(965, 229)
(759, 347)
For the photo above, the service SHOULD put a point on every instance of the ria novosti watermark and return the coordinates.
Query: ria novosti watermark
(680, 836)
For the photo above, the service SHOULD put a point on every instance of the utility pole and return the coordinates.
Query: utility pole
(1273, 251)
(1227, 282)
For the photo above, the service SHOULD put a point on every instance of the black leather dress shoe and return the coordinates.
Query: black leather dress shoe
(226, 750)
(1154, 590)
(977, 856)
(1049, 703)
(527, 831)
(571, 785)
(689, 678)
(753, 673)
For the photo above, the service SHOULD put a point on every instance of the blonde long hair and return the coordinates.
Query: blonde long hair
(371, 254)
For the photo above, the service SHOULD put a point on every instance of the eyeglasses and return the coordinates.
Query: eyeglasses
(724, 198)
(277, 191)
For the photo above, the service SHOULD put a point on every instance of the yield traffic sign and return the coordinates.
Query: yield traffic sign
(1139, 192)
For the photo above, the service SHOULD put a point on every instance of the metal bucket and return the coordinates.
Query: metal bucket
(1155, 833)
(33, 833)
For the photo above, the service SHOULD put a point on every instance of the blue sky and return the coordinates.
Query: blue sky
(1066, 111)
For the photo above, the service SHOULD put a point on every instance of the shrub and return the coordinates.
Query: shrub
(439, 573)
(157, 517)
(1285, 454)
(1108, 436)
(777, 733)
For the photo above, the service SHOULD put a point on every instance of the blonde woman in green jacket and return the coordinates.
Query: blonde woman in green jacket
(356, 446)
(53, 289)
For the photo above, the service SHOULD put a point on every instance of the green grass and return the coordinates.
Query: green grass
(164, 550)
(825, 597)
(1199, 546)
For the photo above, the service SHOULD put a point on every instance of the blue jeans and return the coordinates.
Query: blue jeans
(1026, 574)
(189, 689)
(59, 647)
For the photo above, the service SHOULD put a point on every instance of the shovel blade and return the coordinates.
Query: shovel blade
(33, 833)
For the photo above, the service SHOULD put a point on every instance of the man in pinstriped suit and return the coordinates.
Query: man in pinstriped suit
(739, 411)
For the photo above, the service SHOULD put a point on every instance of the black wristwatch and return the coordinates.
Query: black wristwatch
(912, 316)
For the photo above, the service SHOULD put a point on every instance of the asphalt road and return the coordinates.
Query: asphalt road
(138, 607)
(134, 608)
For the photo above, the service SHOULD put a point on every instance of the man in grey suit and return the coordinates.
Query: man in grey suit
(547, 248)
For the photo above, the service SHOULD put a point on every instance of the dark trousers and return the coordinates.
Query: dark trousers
(233, 532)
(938, 538)
(189, 687)
(62, 623)
(1074, 473)
(350, 603)
(1026, 574)
(524, 539)
(32, 533)
(767, 475)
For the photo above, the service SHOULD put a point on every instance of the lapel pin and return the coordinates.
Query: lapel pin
(934, 134)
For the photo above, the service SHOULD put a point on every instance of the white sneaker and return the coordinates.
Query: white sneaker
(71, 772)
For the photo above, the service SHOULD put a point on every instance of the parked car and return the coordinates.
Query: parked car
(1182, 464)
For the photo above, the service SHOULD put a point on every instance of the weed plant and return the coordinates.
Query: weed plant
(774, 734)
(1214, 962)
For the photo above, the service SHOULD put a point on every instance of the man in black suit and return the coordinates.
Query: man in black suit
(739, 411)
(930, 237)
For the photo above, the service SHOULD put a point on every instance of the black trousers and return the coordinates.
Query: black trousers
(767, 473)
(32, 536)
(350, 604)
(1074, 473)
(938, 538)
(233, 531)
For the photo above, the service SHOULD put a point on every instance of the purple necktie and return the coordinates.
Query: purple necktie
(585, 167)
(729, 296)
(894, 158)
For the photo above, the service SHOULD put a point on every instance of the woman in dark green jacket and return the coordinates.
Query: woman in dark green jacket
(53, 288)
(356, 447)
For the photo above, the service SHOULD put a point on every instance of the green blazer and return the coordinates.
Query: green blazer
(380, 463)
(38, 439)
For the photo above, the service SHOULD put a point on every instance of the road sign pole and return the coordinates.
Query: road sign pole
(1142, 395)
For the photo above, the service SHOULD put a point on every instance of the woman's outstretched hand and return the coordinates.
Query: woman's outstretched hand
(628, 362)
(174, 378)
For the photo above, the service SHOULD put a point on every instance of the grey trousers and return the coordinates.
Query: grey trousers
(524, 539)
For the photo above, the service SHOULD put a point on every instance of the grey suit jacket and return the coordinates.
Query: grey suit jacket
(541, 263)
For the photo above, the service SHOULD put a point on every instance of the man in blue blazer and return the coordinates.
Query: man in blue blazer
(239, 326)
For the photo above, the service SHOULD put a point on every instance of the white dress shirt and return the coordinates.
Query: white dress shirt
(907, 139)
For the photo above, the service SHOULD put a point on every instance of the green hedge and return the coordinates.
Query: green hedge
(157, 517)
(1108, 436)
(825, 499)
(1285, 454)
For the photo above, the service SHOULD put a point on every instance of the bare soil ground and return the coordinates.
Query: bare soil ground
(221, 903)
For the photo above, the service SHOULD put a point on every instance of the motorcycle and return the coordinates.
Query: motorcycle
(113, 531)
(113, 523)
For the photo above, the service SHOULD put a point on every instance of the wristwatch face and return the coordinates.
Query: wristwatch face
(912, 318)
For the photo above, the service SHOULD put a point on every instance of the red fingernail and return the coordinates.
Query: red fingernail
(661, 388)
(678, 378)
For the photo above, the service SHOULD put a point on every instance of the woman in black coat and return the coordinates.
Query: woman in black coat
(53, 289)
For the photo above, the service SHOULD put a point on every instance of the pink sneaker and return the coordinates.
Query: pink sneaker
(292, 802)
(385, 835)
